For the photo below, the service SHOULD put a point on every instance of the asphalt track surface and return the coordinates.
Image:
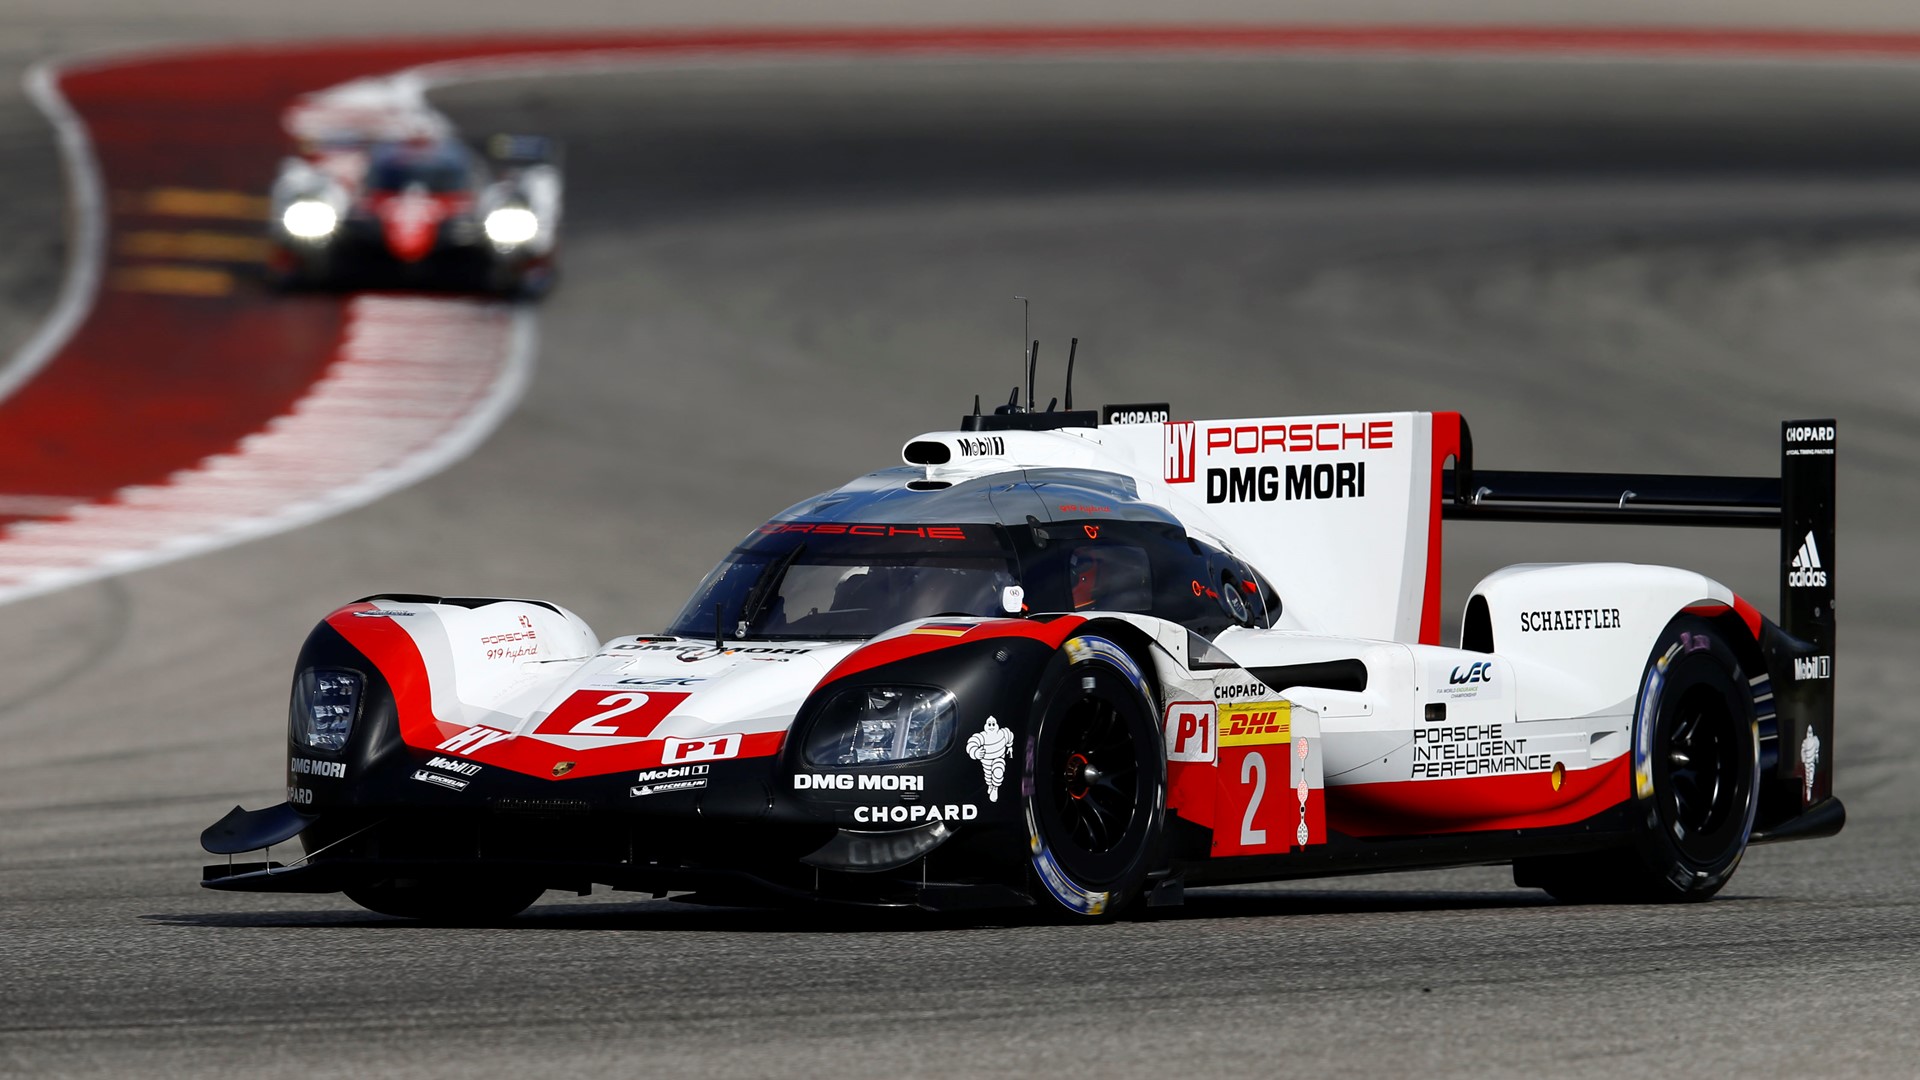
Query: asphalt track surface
(775, 275)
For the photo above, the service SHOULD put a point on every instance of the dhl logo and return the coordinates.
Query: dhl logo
(1257, 724)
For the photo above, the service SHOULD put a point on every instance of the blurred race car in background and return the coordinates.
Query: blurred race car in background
(414, 212)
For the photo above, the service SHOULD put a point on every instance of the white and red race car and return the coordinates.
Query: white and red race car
(1084, 662)
(417, 211)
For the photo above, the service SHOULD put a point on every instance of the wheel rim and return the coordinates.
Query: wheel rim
(1095, 776)
(1700, 766)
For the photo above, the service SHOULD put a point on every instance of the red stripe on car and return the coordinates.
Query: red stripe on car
(1052, 633)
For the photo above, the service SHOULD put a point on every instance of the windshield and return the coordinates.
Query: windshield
(441, 169)
(849, 580)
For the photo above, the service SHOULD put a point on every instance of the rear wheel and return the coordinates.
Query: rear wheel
(447, 903)
(1696, 773)
(1098, 786)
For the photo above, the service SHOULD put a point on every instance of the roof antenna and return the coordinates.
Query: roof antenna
(1033, 360)
(1072, 347)
(976, 404)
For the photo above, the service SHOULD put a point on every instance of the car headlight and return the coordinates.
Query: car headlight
(324, 705)
(511, 225)
(876, 725)
(309, 219)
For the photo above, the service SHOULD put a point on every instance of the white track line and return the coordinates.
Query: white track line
(89, 230)
(418, 383)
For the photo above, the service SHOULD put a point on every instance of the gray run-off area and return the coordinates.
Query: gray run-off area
(774, 276)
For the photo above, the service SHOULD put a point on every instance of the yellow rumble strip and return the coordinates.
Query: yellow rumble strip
(173, 280)
(197, 203)
(203, 246)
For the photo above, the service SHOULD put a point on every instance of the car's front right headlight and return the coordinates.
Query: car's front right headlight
(881, 725)
(325, 703)
(510, 226)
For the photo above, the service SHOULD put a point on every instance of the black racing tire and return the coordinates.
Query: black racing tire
(520, 282)
(446, 903)
(1696, 779)
(1096, 795)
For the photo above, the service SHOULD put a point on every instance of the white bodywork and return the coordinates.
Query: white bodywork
(1336, 512)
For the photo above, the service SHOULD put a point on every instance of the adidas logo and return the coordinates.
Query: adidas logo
(1807, 573)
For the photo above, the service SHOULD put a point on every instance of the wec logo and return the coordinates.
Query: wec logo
(1478, 672)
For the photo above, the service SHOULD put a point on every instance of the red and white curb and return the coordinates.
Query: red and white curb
(418, 383)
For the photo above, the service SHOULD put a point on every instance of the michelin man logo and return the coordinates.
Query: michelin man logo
(991, 746)
(1809, 764)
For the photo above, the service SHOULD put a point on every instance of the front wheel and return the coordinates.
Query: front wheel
(446, 903)
(1096, 794)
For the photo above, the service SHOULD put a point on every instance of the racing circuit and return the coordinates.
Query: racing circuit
(781, 264)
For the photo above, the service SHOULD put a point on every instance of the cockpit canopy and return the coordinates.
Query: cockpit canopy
(837, 579)
(439, 167)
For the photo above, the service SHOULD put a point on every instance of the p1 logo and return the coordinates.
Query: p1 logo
(1189, 730)
(711, 748)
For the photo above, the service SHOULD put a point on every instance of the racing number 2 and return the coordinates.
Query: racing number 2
(1251, 814)
(1253, 768)
(629, 715)
(622, 704)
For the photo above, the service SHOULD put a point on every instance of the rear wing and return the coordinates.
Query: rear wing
(1798, 653)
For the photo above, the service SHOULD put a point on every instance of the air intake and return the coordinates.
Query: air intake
(927, 452)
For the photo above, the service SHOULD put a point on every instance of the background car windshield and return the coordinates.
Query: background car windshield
(827, 586)
(440, 170)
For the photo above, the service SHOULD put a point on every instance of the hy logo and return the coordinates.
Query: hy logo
(1179, 447)
(1807, 572)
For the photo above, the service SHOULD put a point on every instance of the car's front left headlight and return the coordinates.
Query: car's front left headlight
(880, 725)
(325, 703)
(309, 219)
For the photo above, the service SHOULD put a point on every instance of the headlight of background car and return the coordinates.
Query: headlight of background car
(324, 705)
(309, 219)
(511, 225)
(877, 725)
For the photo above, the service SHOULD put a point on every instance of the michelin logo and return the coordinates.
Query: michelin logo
(1807, 572)
(991, 746)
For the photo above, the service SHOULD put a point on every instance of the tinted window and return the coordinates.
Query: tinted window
(826, 580)
(1149, 568)
(440, 169)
